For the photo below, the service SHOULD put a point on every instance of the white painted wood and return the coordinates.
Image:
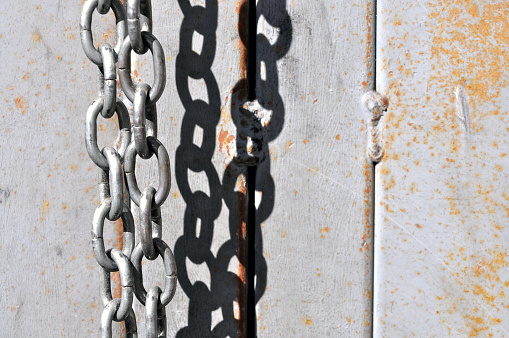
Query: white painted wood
(441, 264)
(48, 184)
(316, 224)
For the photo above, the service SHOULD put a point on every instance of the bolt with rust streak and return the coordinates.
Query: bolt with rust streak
(377, 104)
(254, 120)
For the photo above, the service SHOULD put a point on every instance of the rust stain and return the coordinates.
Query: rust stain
(488, 269)
(241, 235)
(471, 52)
(36, 36)
(44, 209)
(225, 141)
(241, 9)
(369, 45)
(225, 115)
(21, 103)
(476, 325)
(324, 231)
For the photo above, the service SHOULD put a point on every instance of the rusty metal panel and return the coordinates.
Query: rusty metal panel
(48, 185)
(441, 265)
(314, 192)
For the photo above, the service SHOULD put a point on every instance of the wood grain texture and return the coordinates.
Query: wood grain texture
(441, 194)
(315, 189)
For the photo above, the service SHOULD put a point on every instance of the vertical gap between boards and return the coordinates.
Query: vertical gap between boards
(251, 180)
(373, 171)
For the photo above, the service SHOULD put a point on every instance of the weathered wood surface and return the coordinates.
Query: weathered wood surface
(441, 265)
(48, 191)
(315, 189)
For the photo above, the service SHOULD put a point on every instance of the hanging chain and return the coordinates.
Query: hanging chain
(134, 33)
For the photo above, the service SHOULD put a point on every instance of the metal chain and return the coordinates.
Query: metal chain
(134, 33)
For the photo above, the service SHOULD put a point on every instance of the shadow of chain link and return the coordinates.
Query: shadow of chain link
(226, 287)
(199, 206)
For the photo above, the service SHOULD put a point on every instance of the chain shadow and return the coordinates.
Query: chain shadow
(227, 290)
(267, 93)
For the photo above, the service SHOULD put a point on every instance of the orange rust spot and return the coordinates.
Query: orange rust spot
(36, 37)
(21, 103)
(476, 325)
(305, 141)
(44, 209)
(225, 116)
(225, 139)
(241, 8)
(242, 254)
(308, 321)
(483, 33)
(337, 137)
(488, 269)
(369, 41)
(323, 231)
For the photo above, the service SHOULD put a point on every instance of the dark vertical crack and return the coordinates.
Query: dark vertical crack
(373, 171)
(251, 180)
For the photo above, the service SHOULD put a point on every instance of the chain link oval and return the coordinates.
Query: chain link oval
(124, 68)
(170, 269)
(115, 183)
(147, 243)
(126, 281)
(163, 161)
(135, 26)
(87, 41)
(139, 129)
(97, 235)
(91, 131)
(108, 80)
(107, 318)
(155, 313)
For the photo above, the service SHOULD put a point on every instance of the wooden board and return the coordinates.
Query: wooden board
(315, 189)
(441, 265)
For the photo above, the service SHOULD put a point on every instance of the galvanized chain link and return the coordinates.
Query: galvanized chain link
(134, 33)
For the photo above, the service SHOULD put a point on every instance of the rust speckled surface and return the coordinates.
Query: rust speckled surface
(441, 264)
